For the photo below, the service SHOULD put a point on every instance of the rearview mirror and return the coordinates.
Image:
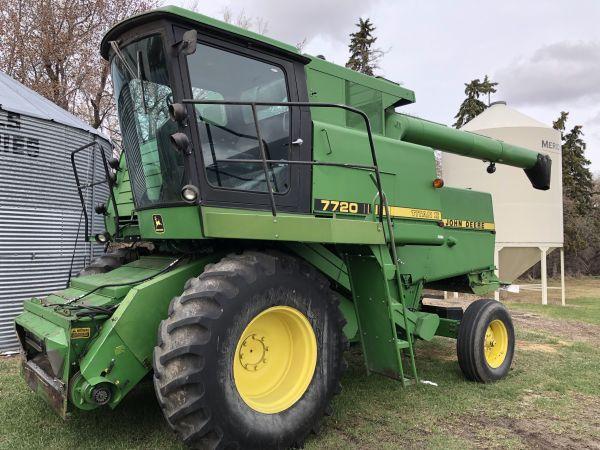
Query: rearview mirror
(177, 112)
(187, 46)
(180, 142)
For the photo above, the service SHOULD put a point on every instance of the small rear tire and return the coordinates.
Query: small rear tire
(251, 354)
(486, 341)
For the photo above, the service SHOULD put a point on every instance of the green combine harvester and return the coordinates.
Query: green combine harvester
(270, 207)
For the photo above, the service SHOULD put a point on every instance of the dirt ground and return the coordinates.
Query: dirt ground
(568, 329)
(573, 330)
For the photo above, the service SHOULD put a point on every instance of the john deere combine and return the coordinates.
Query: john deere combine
(269, 208)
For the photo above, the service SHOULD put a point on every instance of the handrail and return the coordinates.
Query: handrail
(263, 159)
(96, 146)
(390, 239)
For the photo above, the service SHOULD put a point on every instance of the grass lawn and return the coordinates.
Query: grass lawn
(551, 397)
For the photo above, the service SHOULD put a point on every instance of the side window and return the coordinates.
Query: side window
(228, 132)
(143, 95)
(368, 101)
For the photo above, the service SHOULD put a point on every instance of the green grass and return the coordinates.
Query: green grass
(27, 422)
(551, 398)
(584, 309)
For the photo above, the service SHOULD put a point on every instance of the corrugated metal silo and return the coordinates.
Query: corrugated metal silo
(40, 210)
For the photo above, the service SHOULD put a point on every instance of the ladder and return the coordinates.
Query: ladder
(386, 331)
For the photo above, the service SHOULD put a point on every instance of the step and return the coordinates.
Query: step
(401, 344)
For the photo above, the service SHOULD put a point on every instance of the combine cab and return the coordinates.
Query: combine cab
(269, 208)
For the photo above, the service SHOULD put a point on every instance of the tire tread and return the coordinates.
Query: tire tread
(468, 335)
(197, 310)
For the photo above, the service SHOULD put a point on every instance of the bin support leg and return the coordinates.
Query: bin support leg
(562, 276)
(544, 275)
(497, 264)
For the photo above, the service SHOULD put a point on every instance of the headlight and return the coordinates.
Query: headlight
(102, 238)
(101, 209)
(190, 193)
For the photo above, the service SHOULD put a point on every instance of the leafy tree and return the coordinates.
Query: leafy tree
(364, 57)
(472, 106)
(578, 183)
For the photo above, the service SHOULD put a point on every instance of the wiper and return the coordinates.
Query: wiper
(115, 46)
(132, 74)
(142, 76)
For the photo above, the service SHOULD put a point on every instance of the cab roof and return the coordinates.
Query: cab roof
(181, 15)
(178, 14)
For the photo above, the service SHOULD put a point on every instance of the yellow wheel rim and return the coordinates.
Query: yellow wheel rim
(275, 359)
(496, 344)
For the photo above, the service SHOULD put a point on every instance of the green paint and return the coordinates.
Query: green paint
(434, 239)
(448, 328)
(372, 297)
(325, 260)
(351, 327)
(179, 223)
(125, 342)
(261, 225)
(441, 137)
(124, 200)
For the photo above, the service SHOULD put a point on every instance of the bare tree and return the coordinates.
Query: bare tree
(261, 26)
(300, 45)
(242, 20)
(52, 46)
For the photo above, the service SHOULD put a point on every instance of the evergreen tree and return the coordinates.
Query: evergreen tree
(578, 183)
(472, 106)
(487, 87)
(364, 57)
(561, 123)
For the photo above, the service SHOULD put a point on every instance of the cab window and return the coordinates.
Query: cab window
(228, 132)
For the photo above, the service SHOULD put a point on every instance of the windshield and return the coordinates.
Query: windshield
(228, 132)
(143, 95)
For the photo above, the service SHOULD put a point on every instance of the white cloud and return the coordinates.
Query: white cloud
(562, 73)
(438, 46)
(291, 22)
(595, 120)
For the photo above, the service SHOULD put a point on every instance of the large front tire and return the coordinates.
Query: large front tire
(251, 353)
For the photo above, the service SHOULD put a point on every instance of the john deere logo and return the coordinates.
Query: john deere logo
(159, 225)
(80, 333)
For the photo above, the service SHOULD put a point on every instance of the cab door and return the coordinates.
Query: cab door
(225, 135)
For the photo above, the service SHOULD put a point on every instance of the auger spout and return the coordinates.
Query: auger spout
(536, 165)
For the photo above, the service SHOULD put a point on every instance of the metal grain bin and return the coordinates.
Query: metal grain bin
(529, 222)
(40, 210)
